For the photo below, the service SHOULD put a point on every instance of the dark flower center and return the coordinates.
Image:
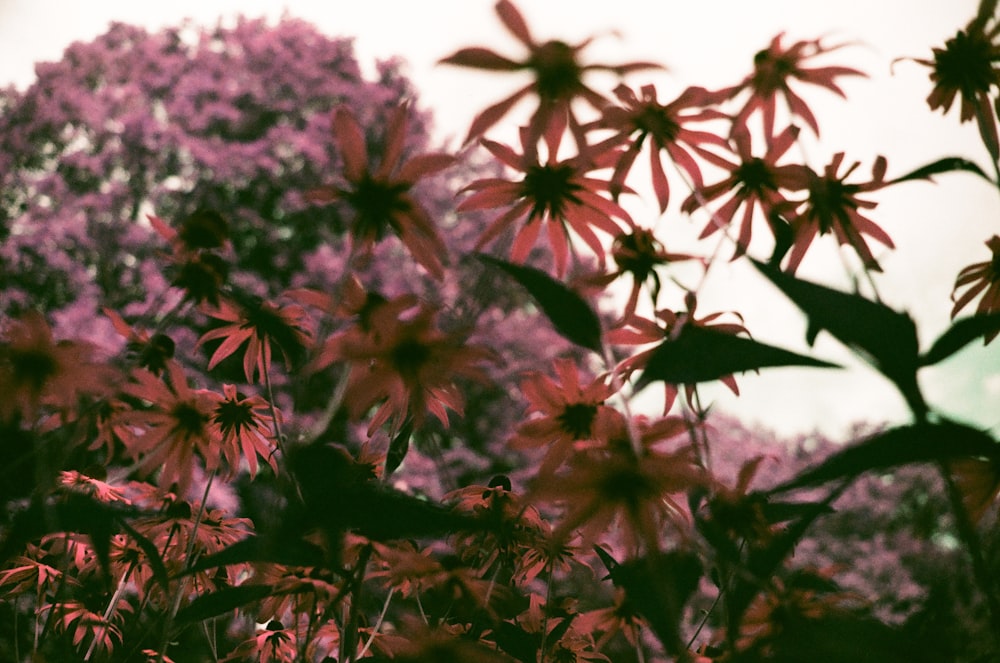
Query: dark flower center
(636, 253)
(204, 229)
(830, 199)
(268, 324)
(965, 63)
(190, 420)
(557, 74)
(154, 353)
(771, 71)
(409, 356)
(657, 122)
(377, 203)
(551, 188)
(626, 485)
(33, 367)
(755, 177)
(577, 419)
(234, 416)
(202, 277)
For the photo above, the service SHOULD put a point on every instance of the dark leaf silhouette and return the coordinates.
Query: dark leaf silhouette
(571, 316)
(887, 339)
(945, 165)
(225, 600)
(961, 333)
(700, 354)
(398, 447)
(284, 547)
(914, 443)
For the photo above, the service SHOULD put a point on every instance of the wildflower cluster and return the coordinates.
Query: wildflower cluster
(297, 386)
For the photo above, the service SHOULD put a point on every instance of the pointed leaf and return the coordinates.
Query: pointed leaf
(571, 316)
(960, 334)
(915, 443)
(398, 447)
(152, 554)
(945, 165)
(225, 600)
(885, 338)
(701, 354)
(289, 551)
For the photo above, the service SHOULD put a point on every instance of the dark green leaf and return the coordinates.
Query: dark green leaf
(960, 334)
(915, 443)
(288, 550)
(225, 600)
(945, 165)
(571, 316)
(151, 552)
(700, 354)
(398, 447)
(885, 338)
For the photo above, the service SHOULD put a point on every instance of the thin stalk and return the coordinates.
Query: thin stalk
(545, 614)
(378, 623)
(111, 607)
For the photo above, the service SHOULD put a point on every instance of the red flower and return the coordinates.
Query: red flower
(244, 426)
(832, 206)
(176, 425)
(380, 197)
(774, 68)
(753, 183)
(641, 118)
(407, 362)
(980, 277)
(557, 72)
(273, 644)
(37, 371)
(556, 194)
(260, 324)
(571, 415)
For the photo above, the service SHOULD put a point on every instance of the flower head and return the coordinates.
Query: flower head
(380, 197)
(243, 424)
(557, 195)
(557, 75)
(981, 277)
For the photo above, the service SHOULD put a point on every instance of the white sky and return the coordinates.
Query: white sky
(937, 229)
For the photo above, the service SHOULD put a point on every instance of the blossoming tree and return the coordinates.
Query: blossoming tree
(284, 383)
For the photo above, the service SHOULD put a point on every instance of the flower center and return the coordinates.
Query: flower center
(657, 122)
(577, 419)
(234, 416)
(377, 204)
(965, 64)
(754, 176)
(32, 368)
(190, 420)
(636, 253)
(409, 356)
(550, 187)
(557, 73)
(829, 199)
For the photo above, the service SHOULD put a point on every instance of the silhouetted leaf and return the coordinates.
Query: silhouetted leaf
(915, 443)
(945, 165)
(571, 316)
(287, 548)
(700, 354)
(887, 339)
(152, 554)
(398, 447)
(961, 333)
(225, 600)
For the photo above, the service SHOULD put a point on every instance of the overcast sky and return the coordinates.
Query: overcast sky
(938, 229)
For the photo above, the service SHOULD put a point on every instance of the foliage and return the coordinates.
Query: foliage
(266, 398)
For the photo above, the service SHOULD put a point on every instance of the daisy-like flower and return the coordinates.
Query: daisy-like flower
(78, 482)
(602, 486)
(273, 644)
(36, 370)
(381, 197)
(556, 194)
(260, 324)
(643, 331)
(968, 67)
(754, 183)
(174, 427)
(556, 70)
(774, 68)
(198, 267)
(244, 427)
(833, 207)
(643, 117)
(980, 277)
(639, 254)
(405, 362)
(73, 617)
(570, 416)
(151, 353)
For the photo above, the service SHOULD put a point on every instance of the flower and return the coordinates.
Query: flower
(571, 415)
(980, 277)
(774, 68)
(639, 118)
(407, 362)
(556, 194)
(555, 67)
(78, 482)
(243, 424)
(260, 324)
(36, 370)
(832, 206)
(151, 353)
(199, 269)
(381, 197)
(753, 183)
(638, 253)
(174, 427)
(273, 644)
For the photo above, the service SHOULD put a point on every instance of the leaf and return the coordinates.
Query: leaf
(700, 354)
(887, 339)
(398, 447)
(914, 443)
(287, 550)
(945, 165)
(571, 316)
(960, 334)
(225, 600)
(151, 552)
